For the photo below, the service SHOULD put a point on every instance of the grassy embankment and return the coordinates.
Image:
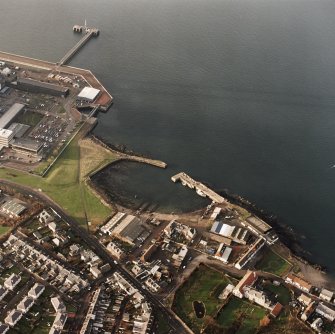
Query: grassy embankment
(65, 181)
(273, 263)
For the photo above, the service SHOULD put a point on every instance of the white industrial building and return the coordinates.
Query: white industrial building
(237, 234)
(326, 295)
(88, 94)
(6, 136)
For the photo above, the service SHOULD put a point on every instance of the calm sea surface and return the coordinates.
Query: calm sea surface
(239, 94)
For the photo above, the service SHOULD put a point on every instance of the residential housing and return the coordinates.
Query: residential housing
(12, 281)
(298, 282)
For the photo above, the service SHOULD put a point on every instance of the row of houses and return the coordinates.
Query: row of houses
(45, 267)
(142, 311)
(15, 315)
(60, 317)
(313, 307)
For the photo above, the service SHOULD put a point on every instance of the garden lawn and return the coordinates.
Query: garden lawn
(201, 286)
(240, 316)
(273, 263)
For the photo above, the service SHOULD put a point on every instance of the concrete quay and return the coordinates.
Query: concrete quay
(200, 188)
(105, 100)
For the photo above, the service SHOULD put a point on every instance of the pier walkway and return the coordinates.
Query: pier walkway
(76, 48)
(200, 188)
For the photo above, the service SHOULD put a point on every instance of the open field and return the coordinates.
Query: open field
(240, 317)
(204, 285)
(93, 157)
(273, 263)
(64, 185)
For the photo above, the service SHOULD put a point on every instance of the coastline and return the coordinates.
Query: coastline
(289, 243)
(287, 236)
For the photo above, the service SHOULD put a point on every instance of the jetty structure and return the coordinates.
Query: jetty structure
(87, 32)
(199, 187)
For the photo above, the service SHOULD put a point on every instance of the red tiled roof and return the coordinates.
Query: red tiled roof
(276, 310)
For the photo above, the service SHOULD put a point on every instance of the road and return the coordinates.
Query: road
(94, 244)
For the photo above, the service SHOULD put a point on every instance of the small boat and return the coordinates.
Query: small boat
(201, 193)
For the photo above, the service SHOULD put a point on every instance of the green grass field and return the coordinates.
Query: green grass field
(64, 186)
(201, 286)
(273, 263)
(240, 317)
(4, 229)
(282, 292)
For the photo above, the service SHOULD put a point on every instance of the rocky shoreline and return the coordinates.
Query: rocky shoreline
(286, 233)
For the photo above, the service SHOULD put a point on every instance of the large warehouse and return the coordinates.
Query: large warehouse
(27, 146)
(88, 94)
(10, 114)
(35, 86)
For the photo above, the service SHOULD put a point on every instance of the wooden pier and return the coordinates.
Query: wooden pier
(200, 188)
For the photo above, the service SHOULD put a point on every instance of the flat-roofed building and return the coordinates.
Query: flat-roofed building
(222, 229)
(326, 295)
(108, 227)
(35, 86)
(13, 208)
(114, 249)
(223, 255)
(27, 146)
(6, 136)
(10, 114)
(19, 129)
(304, 299)
(259, 224)
(129, 230)
(88, 94)
(325, 311)
(45, 217)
